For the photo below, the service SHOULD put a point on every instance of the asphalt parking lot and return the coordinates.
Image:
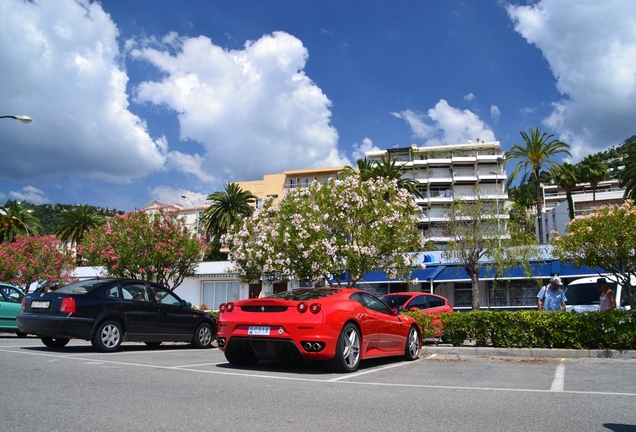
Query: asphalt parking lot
(175, 387)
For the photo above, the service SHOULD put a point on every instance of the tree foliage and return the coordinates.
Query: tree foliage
(385, 168)
(15, 219)
(155, 246)
(592, 170)
(627, 177)
(76, 222)
(340, 229)
(479, 238)
(227, 206)
(605, 238)
(538, 152)
(35, 259)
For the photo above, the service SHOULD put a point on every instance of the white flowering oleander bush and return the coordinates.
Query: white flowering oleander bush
(604, 238)
(339, 229)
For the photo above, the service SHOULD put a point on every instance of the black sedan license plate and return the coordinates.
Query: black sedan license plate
(36, 304)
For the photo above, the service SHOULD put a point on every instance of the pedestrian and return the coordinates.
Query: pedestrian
(608, 298)
(551, 297)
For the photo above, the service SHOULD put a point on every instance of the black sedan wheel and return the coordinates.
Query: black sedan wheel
(412, 349)
(107, 337)
(347, 357)
(52, 342)
(203, 336)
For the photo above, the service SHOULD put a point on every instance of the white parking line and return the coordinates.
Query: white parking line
(559, 377)
(357, 374)
(315, 380)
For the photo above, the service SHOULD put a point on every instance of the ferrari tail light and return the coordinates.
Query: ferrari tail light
(315, 308)
(229, 307)
(302, 307)
(68, 305)
(222, 307)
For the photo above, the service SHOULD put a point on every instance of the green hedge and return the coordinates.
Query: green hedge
(540, 329)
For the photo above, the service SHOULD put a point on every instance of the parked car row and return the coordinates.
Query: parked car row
(338, 326)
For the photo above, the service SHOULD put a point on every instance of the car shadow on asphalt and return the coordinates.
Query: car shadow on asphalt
(126, 347)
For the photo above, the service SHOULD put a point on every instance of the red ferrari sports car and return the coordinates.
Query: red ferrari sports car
(421, 302)
(340, 326)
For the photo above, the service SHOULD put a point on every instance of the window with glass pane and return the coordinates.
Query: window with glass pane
(215, 293)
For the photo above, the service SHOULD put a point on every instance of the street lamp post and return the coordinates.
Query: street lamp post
(196, 214)
(22, 118)
(23, 224)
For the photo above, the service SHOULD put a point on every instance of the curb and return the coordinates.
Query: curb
(526, 352)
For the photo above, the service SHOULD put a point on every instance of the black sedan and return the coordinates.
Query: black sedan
(111, 311)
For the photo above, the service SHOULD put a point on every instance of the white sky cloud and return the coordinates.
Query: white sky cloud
(243, 106)
(447, 125)
(591, 48)
(60, 62)
(359, 150)
(30, 194)
(469, 97)
(495, 113)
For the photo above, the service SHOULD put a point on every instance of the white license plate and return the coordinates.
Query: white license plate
(40, 304)
(258, 331)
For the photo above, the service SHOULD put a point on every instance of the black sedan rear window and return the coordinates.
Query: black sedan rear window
(83, 287)
(306, 293)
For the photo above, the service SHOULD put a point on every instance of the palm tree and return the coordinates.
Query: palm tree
(592, 170)
(75, 223)
(16, 218)
(364, 169)
(227, 207)
(537, 152)
(627, 177)
(565, 177)
(386, 168)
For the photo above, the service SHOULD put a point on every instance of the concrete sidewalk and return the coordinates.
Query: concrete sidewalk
(472, 350)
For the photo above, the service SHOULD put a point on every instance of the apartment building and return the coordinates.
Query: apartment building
(475, 170)
(556, 213)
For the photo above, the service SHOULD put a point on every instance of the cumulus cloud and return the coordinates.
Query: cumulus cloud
(445, 124)
(469, 97)
(30, 194)
(244, 106)
(494, 112)
(61, 66)
(359, 150)
(174, 196)
(591, 48)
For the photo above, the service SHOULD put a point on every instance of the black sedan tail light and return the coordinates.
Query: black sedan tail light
(68, 305)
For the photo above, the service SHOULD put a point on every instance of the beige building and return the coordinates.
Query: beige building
(277, 185)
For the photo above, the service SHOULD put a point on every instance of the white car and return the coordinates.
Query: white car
(584, 294)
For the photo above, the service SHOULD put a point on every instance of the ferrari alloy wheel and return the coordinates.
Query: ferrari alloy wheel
(108, 337)
(412, 349)
(203, 336)
(347, 357)
(53, 342)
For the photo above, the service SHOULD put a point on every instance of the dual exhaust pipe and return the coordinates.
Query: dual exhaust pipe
(313, 346)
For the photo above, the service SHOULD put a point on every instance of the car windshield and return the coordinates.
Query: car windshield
(83, 287)
(585, 294)
(305, 293)
(395, 300)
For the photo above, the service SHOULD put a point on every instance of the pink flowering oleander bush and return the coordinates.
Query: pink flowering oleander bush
(35, 259)
(614, 329)
(328, 230)
(604, 238)
(155, 246)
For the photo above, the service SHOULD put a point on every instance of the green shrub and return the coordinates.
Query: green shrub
(540, 329)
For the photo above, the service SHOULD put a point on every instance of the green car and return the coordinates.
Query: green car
(10, 304)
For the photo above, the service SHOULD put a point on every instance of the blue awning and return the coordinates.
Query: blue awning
(420, 274)
(539, 270)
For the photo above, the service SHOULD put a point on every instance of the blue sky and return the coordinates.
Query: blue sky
(134, 101)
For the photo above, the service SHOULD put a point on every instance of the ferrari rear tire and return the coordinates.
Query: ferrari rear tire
(241, 354)
(108, 337)
(347, 357)
(53, 342)
(412, 349)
